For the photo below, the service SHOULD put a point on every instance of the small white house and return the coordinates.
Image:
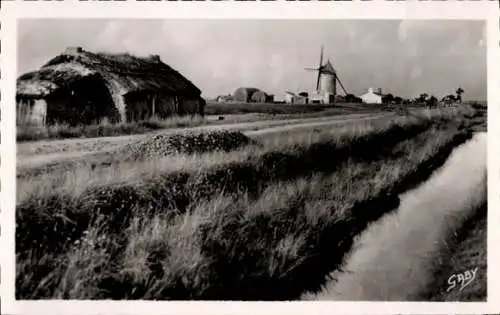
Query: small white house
(224, 98)
(292, 98)
(279, 98)
(289, 97)
(371, 97)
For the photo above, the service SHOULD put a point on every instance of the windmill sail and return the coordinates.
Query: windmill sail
(319, 68)
(341, 85)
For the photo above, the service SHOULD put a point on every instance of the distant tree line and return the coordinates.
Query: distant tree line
(424, 99)
(431, 100)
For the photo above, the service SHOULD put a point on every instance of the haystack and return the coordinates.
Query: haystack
(262, 97)
(244, 94)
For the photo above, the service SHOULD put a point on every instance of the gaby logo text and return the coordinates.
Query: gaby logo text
(461, 280)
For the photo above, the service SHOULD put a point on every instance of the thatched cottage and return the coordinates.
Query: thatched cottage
(82, 87)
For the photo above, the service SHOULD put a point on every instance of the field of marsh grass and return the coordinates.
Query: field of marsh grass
(104, 129)
(265, 221)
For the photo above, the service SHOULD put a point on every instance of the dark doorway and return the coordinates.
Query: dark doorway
(87, 101)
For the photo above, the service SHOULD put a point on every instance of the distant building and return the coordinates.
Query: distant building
(351, 98)
(289, 97)
(224, 98)
(262, 97)
(371, 98)
(279, 99)
(292, 98)
(244, 94)
(298, 99)
(340, 99)
(448, 100)
(82, 87)
(321, 97)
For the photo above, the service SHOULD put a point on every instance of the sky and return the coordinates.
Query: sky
(403, 57)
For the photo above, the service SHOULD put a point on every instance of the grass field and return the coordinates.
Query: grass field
(229, 112)
(265, 218)
(33, 133)
(232, 108)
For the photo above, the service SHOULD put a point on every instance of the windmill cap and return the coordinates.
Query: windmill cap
(327, 68)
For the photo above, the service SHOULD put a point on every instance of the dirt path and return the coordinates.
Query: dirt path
(392, 260)
(82, 148)
(31, 147)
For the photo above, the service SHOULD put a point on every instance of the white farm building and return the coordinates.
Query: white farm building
(292, 98)
(371, 98)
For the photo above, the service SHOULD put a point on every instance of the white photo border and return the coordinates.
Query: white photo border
(12, 11)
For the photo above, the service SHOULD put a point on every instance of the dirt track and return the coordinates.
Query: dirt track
(392, 260)
(38, 153)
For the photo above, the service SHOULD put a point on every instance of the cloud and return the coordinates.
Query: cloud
(416, 73)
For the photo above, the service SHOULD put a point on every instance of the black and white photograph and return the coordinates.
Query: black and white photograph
(254, 160)
(257, 159)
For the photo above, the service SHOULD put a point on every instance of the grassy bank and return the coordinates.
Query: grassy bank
(465, 251)
(478, 116)
(165, 228)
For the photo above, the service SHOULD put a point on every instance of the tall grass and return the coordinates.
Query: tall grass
(105, 165)
(260, 223)
(104, 129)
(288, 238)
(183, 178)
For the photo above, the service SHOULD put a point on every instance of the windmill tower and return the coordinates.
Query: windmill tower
(326, 82)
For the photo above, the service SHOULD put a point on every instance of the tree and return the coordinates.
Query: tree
(351, 98)
(432, 101)
(398, 100)
(459, 92)
(422, 98)
(388, 99)
(449, 98)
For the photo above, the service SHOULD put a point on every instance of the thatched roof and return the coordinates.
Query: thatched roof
(260, 93)
(123, 73)
(244, 94)
(246, 90)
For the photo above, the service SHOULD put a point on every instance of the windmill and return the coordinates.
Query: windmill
(326, 83)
